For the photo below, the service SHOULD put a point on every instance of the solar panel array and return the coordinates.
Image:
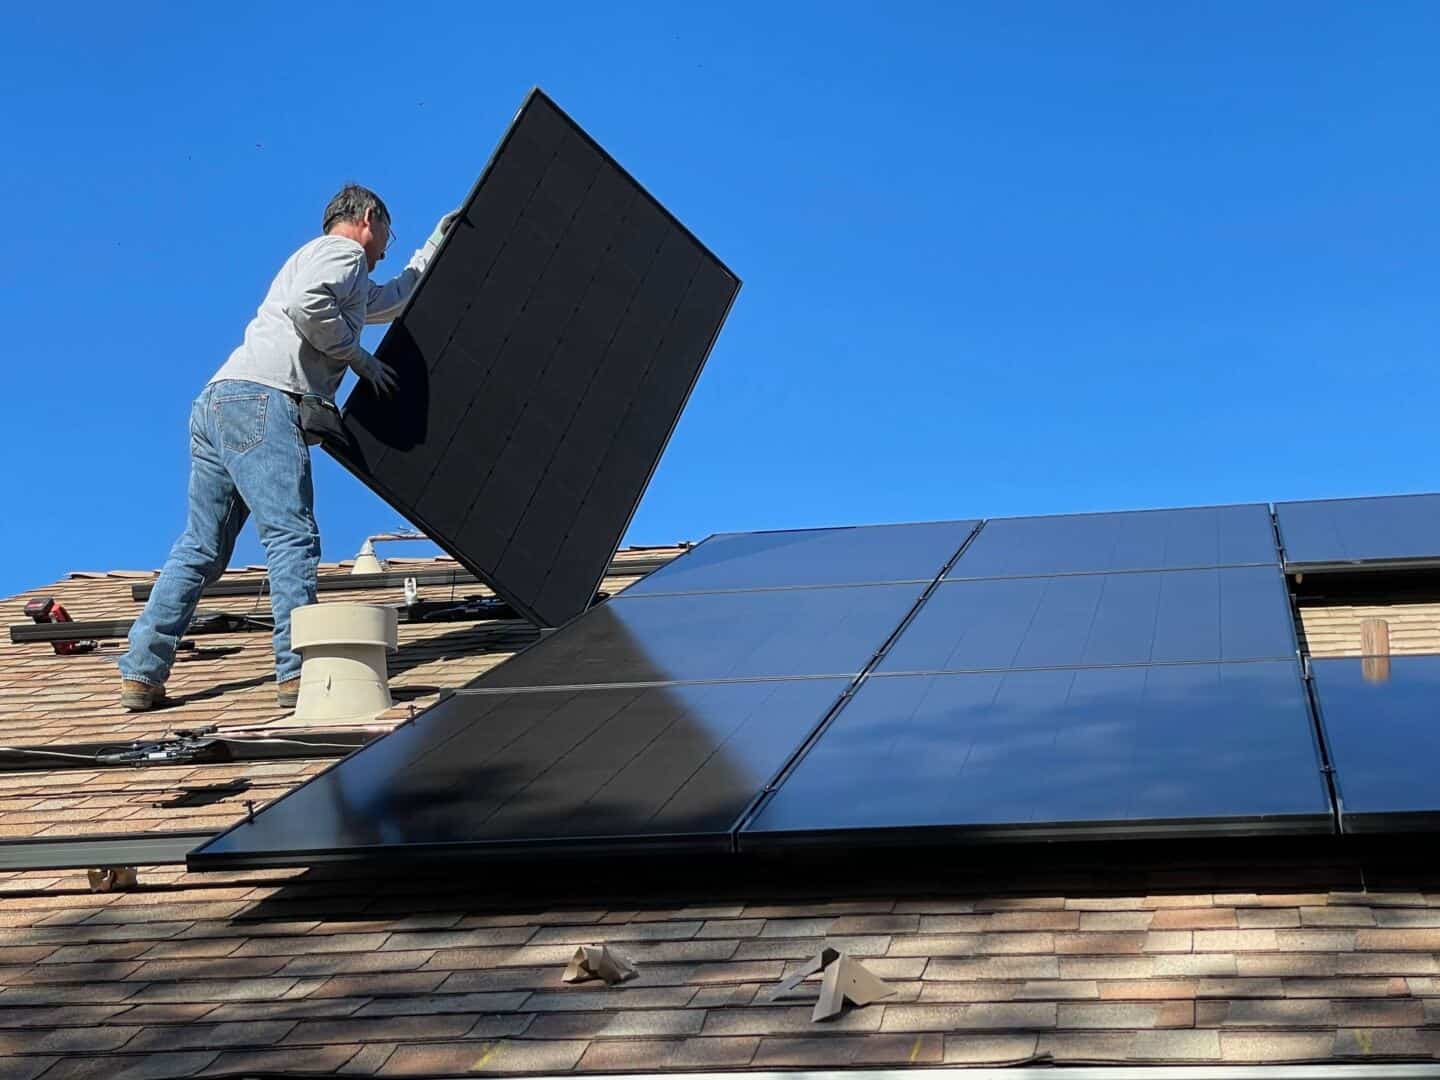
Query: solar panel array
(1125, 675)
(543, 362)
(656, 720)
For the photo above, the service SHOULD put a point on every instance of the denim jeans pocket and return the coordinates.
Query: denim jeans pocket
(241, 420)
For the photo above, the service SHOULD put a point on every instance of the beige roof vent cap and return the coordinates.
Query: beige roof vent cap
(343, 649)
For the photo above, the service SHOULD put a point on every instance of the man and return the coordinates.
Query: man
(248, 454)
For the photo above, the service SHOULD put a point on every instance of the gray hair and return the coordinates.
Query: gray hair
(352, 203)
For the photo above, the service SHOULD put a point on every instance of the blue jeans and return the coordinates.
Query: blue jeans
(247, 456)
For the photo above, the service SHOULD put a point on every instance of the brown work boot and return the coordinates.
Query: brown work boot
(287, 693)
(137, 696)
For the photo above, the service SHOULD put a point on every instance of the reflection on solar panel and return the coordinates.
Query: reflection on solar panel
(861, 555)
(1376, 533)
(755, 688)
(1137, 540)
(1196, 749)
(669, 768)
(543, 363)
(1380, 723)
(1238, 613)
(745, 635)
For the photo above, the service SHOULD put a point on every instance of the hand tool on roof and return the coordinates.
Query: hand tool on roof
(46, 610)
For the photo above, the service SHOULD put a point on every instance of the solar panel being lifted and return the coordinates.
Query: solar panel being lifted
(1380, 533)
(543, 363)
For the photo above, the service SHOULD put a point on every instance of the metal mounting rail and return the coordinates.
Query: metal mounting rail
(87, 852)
(392, 579)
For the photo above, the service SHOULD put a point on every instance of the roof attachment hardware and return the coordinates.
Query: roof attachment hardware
(598, 962)
(845, 980)
(113, 879)
(45, 610)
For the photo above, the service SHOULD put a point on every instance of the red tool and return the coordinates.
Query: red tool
(46, 610)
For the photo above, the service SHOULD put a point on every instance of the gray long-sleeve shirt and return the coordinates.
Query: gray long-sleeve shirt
(307, 331)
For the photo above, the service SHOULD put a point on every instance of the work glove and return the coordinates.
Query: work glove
(380, 375)
(444, 226)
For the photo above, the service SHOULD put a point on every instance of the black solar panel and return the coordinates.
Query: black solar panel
(744, 635)
(665, 768)
(1204, 749)
(808, 557)
(1236, 613)
(1135, 540)
(1380, 721)
(543, 363)
(1341, 534)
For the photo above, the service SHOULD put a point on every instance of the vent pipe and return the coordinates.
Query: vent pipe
(343, 649)
(366, 562)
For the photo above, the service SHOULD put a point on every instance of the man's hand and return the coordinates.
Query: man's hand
(380, 375)
(445, 223)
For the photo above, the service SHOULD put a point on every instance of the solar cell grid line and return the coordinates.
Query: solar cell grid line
(1378, 716)
(1203, 750)
(1173, 616)
(1188, 538)
(658, 769)
(1375, 533)
(544, 361)
(811, 558)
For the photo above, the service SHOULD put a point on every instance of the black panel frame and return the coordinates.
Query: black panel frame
(541, 609)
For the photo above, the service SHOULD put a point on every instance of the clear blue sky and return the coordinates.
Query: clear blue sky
(999, 258)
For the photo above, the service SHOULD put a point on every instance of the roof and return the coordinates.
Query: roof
(1104, 954)
(227, 681)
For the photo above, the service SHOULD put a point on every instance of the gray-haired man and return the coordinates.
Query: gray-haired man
(248, 454)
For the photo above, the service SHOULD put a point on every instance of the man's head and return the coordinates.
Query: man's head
(361, 215)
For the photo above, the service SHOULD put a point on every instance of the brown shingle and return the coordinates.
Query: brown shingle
(978, 1017)
(988, 1049)
(1275, 1045)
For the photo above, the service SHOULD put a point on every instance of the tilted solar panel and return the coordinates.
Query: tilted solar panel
(1391, 531)
(1235, 613)
(743, 635)
(1132, 540)
(1380, 720)
(543, 362)
(798, 558)
(655, 768)
(1195, 749)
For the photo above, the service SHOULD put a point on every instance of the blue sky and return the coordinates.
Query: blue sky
(999, 258)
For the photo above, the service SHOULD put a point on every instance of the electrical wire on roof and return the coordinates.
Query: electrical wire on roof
(32, 751)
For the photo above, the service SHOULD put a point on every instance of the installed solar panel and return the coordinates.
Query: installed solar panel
(808, 557)
(543, 362)
(1137, 540)
(1342, 534)
(1379, 717)
(1197, 749)
(670, 768)
(1236, 613)
(744, 635)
